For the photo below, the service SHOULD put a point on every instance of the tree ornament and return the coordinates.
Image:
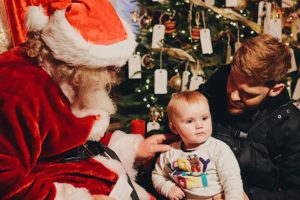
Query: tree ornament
(241, 5)
(147, 61)
(134, 16)
(167, 18)
(179, 54)
(175, 82)
(145, 21)
(196, 30)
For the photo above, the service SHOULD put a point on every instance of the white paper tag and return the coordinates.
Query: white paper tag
(296, 94)
(260, 13)
(210, 2)
(275, 28)
(196, 81)
(160, 81)
(293, 62)
(134, 67)
(158, 35)
(231, 3)
(185, 80)
(205, 40)
(267, 16)
(152, 126)
(121, 190)
(287, 3)
(237, 45)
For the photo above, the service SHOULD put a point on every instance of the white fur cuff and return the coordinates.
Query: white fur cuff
(66, 191)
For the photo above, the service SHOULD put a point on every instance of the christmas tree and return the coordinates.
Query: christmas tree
(181, 42)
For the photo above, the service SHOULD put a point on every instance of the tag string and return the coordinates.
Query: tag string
(203, 18)
(160, 58)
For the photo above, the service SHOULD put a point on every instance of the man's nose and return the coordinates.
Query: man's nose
(235, 96)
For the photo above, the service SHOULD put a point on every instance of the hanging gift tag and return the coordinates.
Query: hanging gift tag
(296, 94)
(160, 81)
(275, 28)
(121, 190)
(158, 35)
(205, 39)
(287, 3)
(196, 81)
(134, 67)
(231, 3)
(185, 80)
(210, 2)
(260, 13)
(293, 62)
(267, 16)
(152, 126)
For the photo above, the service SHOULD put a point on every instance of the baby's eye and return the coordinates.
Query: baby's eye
(189, 121)
(204, 118)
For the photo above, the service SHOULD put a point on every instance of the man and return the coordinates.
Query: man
(253, 113)
(55, 106)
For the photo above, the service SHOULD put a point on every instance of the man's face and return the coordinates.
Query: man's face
(244, 94)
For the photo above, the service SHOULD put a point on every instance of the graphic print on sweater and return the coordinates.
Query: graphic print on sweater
(189, 172)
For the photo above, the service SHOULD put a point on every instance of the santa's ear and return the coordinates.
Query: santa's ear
(276, 89)
(173, 128)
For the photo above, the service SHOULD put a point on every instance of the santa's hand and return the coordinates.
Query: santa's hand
(175, 193)
(102, 197)
(151, 145)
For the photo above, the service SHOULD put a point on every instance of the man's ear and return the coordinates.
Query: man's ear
(277, 89)
(173, 128)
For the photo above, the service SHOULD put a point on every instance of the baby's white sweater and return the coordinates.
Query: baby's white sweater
(208, 170)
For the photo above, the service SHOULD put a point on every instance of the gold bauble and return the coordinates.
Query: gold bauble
(175, 82)
(145, 21)
(241, 5)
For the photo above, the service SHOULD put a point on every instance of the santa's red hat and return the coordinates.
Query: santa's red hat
(83, 32)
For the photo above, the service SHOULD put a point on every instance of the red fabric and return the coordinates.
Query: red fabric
(16, 11)
(36, 128)
(101, 26)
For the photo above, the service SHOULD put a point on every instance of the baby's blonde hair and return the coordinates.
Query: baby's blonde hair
(190, 97)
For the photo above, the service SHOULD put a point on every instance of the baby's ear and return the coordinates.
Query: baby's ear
(173, 128)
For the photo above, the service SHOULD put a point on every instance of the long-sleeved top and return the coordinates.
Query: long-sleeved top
(209, 169)
(276, 174)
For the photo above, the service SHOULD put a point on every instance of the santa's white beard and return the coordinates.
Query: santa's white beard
(89, 101)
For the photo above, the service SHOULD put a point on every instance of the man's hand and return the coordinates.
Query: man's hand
(102, 197)
(151, 145)
(175, 193)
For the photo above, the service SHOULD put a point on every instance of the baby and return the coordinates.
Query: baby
(199, 166)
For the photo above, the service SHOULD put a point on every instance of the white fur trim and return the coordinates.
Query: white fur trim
(36, 19)
(66, 191)
(99, 128)
(118, 168)
(125, 146)
(68, 45)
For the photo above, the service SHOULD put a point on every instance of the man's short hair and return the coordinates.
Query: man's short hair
(263, 59)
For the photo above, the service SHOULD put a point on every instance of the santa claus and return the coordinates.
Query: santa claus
(54, 97)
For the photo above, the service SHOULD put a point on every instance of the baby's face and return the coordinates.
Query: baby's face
(193, 123)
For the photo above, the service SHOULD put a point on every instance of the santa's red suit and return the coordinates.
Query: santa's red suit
(37, 127)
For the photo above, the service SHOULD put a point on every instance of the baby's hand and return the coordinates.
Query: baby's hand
(102, 197)
(175, 193)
